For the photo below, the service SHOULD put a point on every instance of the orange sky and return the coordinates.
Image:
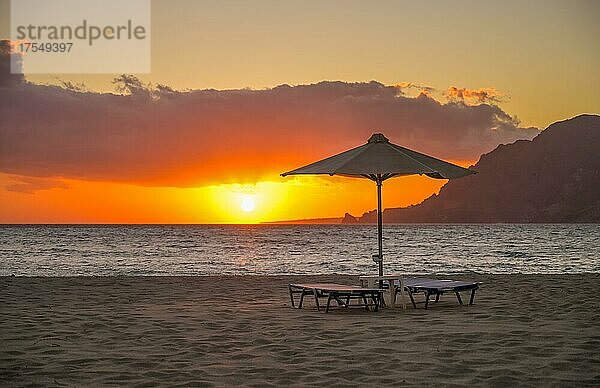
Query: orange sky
(452, 79)
(215, 156)
(81, 201)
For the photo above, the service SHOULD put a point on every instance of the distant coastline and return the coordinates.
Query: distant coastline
(316, 221)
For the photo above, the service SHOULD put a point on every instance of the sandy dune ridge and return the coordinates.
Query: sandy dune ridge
(526, 330)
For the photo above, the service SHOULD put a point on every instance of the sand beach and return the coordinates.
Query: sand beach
(524, 330)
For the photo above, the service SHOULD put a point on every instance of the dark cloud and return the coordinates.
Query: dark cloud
(158, 136)
(7, 79)
(29, 185)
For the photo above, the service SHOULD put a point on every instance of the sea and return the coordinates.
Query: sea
(196, 250)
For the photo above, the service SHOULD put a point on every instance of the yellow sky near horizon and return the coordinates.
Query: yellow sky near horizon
(294, 198)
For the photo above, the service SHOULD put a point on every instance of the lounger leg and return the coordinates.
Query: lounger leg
(339, 301)
(291, 296)
(412, 299)
(472, 296)
(458, 297)
(401, 290)
(374, 301)
(317, 299)
(302, 298)
(437, 297)
(426, 299)
(328, 302)
(348, 300)
(376, 297)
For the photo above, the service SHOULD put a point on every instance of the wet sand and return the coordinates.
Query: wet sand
(524, 330)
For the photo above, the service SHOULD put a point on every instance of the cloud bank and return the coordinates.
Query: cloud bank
(159, 136)
(30, 185)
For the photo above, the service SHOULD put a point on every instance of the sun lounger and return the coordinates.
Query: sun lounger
(340, 293)
(438, 287)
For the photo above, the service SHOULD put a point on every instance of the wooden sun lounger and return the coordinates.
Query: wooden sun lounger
(341, 293)
(439, 287)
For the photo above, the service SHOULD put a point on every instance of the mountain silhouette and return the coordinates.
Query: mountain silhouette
(553, 178)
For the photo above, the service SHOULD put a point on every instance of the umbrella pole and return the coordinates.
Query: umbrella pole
(379, 226)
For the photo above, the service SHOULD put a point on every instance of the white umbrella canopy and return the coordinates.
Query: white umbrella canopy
(379, 160)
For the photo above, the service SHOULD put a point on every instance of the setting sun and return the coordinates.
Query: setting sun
(248, 204)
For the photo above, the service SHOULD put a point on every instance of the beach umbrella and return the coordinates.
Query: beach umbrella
(379, 160)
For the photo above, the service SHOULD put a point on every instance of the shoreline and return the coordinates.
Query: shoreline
(240, 329)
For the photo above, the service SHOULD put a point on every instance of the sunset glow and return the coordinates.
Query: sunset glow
(205, 135)
(77, 201)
